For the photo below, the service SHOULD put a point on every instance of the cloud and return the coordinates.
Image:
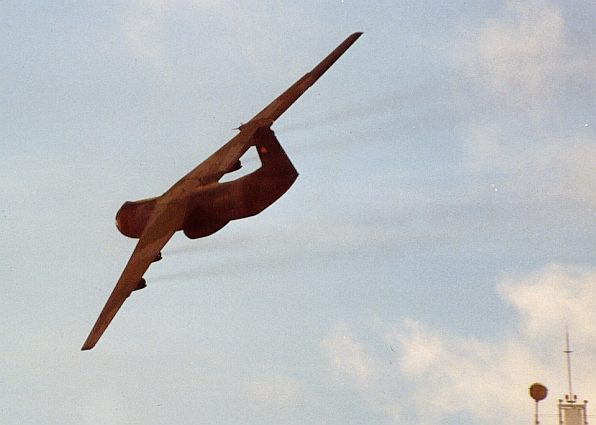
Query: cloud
(355, 365)
(518, 55)
(349, 358)
(529, 117)
(552, 297)
(149, 28)
(545, 167)
(436, 375)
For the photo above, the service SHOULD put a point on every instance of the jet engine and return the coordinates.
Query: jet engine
(140, 285)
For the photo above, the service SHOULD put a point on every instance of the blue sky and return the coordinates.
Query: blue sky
(420, 271)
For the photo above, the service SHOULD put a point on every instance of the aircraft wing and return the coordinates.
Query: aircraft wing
(166, 219)
(274, 110)
(218, 164)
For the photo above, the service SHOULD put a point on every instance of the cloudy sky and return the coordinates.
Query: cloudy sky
(421, 270)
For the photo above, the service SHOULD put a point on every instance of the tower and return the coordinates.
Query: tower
(570, 411)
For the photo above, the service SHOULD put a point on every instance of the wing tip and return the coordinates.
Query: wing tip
(354, 36)
(92, 339)
(88, 345)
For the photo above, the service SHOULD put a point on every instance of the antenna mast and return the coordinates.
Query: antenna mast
(570, 411)
(568, 352)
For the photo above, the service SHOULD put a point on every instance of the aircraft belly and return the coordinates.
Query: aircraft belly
(212, 209)
(203, 217)
(257, 192)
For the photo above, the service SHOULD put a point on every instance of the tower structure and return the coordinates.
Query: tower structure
(571, 412)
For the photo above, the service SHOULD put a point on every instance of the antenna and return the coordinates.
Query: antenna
(568, 352)
(570, 411)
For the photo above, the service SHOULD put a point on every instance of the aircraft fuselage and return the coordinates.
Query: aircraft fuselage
(210, 207)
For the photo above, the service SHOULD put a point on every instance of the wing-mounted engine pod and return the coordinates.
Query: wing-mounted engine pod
(132, 217)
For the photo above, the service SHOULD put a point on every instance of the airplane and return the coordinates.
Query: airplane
(199, 204)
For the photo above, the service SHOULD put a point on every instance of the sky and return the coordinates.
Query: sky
(422, 269)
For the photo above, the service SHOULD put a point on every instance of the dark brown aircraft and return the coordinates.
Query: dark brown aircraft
(199, 204)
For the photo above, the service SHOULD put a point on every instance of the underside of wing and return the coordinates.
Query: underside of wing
(166, 218)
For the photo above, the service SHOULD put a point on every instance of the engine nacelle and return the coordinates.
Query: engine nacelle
(132, 217)
(140, 285)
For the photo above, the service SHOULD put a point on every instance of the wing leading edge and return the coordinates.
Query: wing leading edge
(170, 209)
(274, 110)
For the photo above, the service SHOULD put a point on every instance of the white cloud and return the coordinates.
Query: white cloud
(547, 167)
(520, 54)
(438, 374)
(354, 364)
(350, 358)
(525, 73)
(147, 28)
(555, 296)
(419, 352)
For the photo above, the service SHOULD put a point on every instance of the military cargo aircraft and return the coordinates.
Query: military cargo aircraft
(200, 204)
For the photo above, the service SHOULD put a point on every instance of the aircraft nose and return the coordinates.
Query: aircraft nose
(117, 220)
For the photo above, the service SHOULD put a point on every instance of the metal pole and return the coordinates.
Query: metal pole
(568, 352)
